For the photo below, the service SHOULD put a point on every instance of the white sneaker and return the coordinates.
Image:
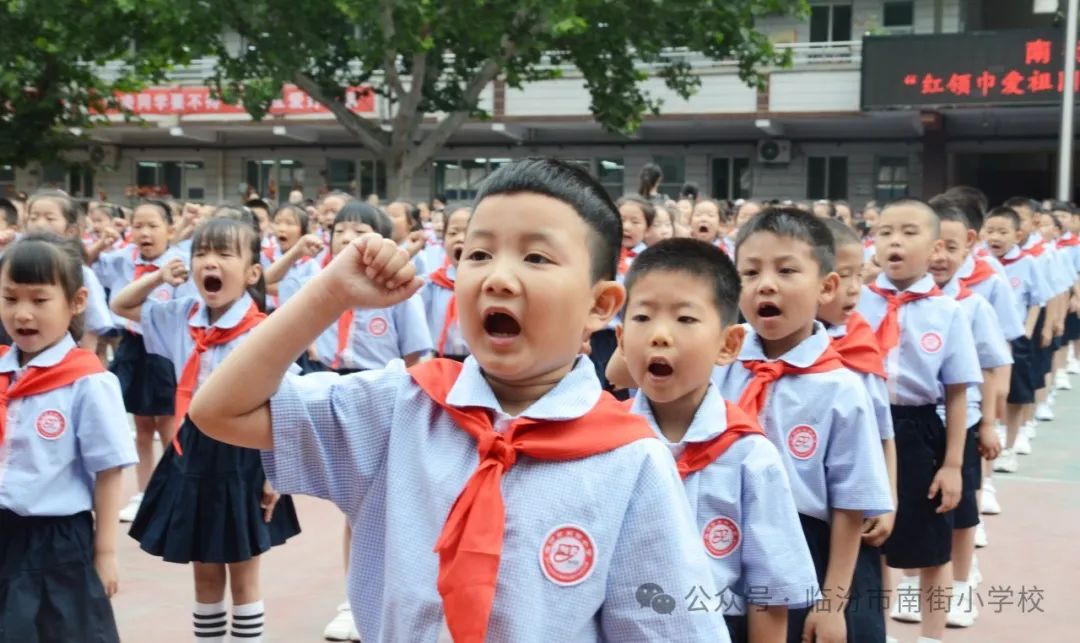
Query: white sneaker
(342, 628)
(981, 539)
(1023, 445)
(891, 639)
(1044, 413)
(1031, 430)
(1061, 381)
(976, 577)
(989, 504)
(1073, 367)
(962, 609)
(1006, 462)
(905, 606)
(127, 514)
(1002, 435)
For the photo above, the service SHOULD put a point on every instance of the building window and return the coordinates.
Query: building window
(730, 178)
(180, 179)
(7, 180)
(674, 171)
(826, 177)
(341, 175)
(892, 178)
(898, 15)
(271, 178)
(460, 180)
(612, 175)
(830, 23)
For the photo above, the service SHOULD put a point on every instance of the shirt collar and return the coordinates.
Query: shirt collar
(574, 396)
(801, 356)
(966, 268)
(710, 419)
(952, 288)
(639, 248)
(924, 285)
(1012, 254)
(839, 330)
(1033, 239)
(232, 316)
(51, 356)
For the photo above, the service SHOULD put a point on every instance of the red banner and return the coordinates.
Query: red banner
(197, 100)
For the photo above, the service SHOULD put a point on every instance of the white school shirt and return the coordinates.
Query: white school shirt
(875, 388)
(999, 294)
(116, 270)
(377, 336)
(97, 317)
(430, 258)
(57, 442)
(823, 426)
(935, 344)
(436, 299)
(990, 345)
(746, 517)
(388, 456)
(1073, 252)
(1027, 281)
(1053, 278)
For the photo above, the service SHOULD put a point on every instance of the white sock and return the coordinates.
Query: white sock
(247, 623)
(927, 639)
(208, 621)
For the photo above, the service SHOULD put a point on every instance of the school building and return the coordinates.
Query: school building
(883, 98)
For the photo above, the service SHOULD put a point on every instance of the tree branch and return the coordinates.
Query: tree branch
(386, 20)
(369, 134)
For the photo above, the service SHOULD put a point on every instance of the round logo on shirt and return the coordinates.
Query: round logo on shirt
(1015, 281)
(568, 555)
(721, 536)
(162, 294)
(377, 327)
(50, 424)
(931, 342)
(802, 442)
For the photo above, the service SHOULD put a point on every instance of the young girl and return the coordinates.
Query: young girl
(290, 265)
(438, 293)
(208, 503)
(62, 448)
(662, 227)
(147, 380)
(56, 212)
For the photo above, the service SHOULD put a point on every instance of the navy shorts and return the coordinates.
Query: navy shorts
(1021, 382)
(1072, 327)
(922, 537)
(966, 514)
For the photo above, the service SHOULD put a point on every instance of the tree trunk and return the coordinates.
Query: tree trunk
(399, 177)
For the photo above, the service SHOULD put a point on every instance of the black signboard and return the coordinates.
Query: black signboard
(1014, 67)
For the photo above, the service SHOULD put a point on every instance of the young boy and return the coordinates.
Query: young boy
(928, 346)
(815, 411)
(588, 538)
(981, 440)
(1002, 232)
(440, 303)
(1069, 246)
(682, 302)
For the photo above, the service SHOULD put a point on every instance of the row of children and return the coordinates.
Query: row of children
(534, 277)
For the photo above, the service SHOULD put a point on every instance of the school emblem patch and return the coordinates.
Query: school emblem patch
(568, 555)
(721, 536)
(931, 342)
(1015, 281)
(162, 294)
(377, 327)
(802, 442)
(50, 424)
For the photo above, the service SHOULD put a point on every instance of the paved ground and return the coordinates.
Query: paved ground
(1032, 549)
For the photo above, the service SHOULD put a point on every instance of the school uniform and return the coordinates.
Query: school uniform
(299, 273)
(928, 344)
(594, 548)
(147, 380)
(1069, 247)
(820, 419)
(366, 339)
(873, 380)
(440, 307)
(1030, 287)
(745, 515)
(993, 352)
(97, 318)
(1042, 356)
(57, 433)
(203, 501)
(982, 277)
(432, 258)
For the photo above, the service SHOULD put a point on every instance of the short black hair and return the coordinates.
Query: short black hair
(47, 258)
(972, 201)
(1061, 206)
(648, 209)
(949, 210)
(1017, 202)
(793, 223)
(569, 183)
(831, 208)
(299, 213)
(910, 201)
(258, 203)
(363, 212)
(9, 212)
(689, 191)
(697, 259)
(973, 213)
(842, 234)
(162, 207)
(1006, 212)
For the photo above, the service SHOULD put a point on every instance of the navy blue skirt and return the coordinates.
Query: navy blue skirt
(147, 381)
(204, 505)
(49, 590)
(966, 514)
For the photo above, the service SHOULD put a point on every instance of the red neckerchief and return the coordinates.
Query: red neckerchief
(698, 455)
(441, 278)
(765, 373)
(888, 331)
(859, 349)
(983, 271)
(75, 365)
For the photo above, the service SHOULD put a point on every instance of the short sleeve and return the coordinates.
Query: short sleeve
(960, 364)
(855, 473)
(332, 432)
(98, 319)
(164, 323)
(658, 544)
(103, 434)
(109, 269)
(878, 391)
(990, 344)
(412, 327)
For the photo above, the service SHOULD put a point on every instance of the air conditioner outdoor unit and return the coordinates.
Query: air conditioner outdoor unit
(774, 151)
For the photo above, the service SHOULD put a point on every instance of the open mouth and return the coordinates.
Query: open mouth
(847, 308)
(499, 324)
(768, 311)
(26, 332)
(282, 238)
(211, 283)
(703, 229)
(659, 368)
(894, 257)
(455, 252)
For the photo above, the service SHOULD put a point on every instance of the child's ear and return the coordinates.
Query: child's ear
(829, 286)
(78, 302)
(972, 237)
(618, 336)
(732, 341)
(254, 271)
(608, 300)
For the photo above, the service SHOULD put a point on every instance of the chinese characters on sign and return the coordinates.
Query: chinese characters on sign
(197, 100)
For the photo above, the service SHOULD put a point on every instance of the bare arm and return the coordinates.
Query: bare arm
(767, 623)
(128, 302)
(107, 500)
(947, 480)
(826, 622)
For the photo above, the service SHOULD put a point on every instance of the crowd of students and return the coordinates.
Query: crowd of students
(544, 415)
